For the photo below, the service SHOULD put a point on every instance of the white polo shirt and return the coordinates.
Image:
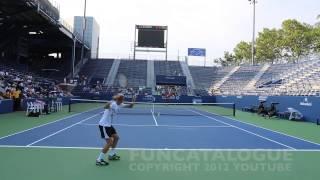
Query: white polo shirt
(109, 114)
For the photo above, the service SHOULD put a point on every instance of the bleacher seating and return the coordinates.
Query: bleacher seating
(169, 68)
(30, 85)
(302, 82)
(239, 80)
(291, 79)
(51, 68)
(296, 79)
(96, 69)
(201, 92)
(205, 77)
(135, 71)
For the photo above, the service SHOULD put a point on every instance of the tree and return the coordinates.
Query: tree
(268, 45)
(229, 59)
(242, 52)
(293, 40)
(316, 39)
(297, 39)
(318, 23)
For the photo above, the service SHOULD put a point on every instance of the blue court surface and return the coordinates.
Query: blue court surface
(202, 131)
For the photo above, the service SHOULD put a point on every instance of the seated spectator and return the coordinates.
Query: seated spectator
(273, 111)
(17, 86)
(2, 90)
(8, 95)
(16, 97)
(261, 109)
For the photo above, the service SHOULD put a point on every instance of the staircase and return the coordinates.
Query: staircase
(109, 81)
(224, 79)
(78, 67)
(151, 83)
(251, 85)
(187, 73)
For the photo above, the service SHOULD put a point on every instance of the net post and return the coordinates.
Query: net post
(69, 105)
(234, 109)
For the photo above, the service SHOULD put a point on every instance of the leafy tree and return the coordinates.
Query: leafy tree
(229, 59)
(217, 60)
(269, 45)
(316, 39)
(242, 52)
(318, 23)
(297, 39)
(293, 40)
(316, 36)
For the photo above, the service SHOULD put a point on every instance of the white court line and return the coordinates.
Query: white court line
(265, 128)
(170, 126)
(166, 149)
(249, 132)
(61, 130)
(46, 124)
(154, 118)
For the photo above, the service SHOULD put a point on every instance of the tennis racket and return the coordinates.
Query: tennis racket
(122, 80)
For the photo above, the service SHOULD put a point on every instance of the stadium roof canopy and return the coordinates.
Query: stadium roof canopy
(37, 22)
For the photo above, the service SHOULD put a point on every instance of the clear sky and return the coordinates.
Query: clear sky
(217, 25)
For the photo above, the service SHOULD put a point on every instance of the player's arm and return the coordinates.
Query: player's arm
(129, 105)
(107, 106)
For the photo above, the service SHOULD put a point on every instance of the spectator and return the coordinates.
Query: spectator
(8, 94)
(17, 85)
(272, 111)
(261, 109)
(16, 97)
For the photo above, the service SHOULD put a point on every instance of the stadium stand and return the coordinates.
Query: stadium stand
(302, 81)
(290, 79)
(239, 80)
(50, 68)
(96, 70)
(21, 85)
(135, 71)
(205, 77)
(295, 79)
(169, 68)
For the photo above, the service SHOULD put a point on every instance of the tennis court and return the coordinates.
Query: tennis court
(155, 140)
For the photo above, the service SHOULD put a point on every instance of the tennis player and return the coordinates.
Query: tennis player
(108, 132)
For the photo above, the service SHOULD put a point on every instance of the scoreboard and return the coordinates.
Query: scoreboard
(152, 27)
(151, 36)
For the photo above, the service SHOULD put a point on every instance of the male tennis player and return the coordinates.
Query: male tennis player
(108, 132)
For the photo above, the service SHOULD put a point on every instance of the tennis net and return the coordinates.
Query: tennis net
(145, 108)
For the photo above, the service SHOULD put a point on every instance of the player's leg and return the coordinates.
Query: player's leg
(116, 139)
(109, 142)
(100, 159)
(112, 153)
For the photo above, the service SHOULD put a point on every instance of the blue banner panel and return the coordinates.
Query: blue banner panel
(6, 106)
(171, 80)
(197, 52)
